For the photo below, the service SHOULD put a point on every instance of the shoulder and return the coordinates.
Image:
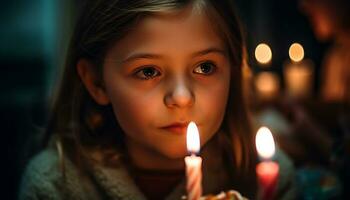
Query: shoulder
(41, 176)
(44, 178)
(286, 185)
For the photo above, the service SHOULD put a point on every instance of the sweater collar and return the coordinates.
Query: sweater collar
(117, 183)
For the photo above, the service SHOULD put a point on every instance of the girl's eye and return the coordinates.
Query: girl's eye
(147, 73)
(205, 68)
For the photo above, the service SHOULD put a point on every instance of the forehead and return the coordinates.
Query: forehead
(182, 32)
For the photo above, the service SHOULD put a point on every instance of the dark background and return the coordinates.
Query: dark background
(33, 40)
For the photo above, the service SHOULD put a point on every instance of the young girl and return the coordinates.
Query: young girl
(137, 73)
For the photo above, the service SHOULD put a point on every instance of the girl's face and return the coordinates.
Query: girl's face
(170, 69)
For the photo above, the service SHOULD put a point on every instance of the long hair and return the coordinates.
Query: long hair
(78, 121)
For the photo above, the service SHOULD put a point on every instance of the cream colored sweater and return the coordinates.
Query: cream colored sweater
(43, 179)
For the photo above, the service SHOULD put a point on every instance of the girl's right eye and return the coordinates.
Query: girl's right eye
(147, 73)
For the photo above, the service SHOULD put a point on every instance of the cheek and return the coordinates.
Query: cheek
(132, 106)
(218, 98)
(212, 100)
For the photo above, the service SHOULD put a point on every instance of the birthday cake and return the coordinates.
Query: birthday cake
(229, 195)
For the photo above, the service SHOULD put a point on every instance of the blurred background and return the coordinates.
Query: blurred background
(298, 83)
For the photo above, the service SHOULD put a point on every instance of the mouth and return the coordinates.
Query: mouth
(178, 128)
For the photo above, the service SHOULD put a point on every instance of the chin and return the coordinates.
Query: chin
(175, 153)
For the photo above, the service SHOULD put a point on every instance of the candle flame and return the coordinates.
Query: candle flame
(263, 53)
(265, 144)
(193, 143)
(296, 52)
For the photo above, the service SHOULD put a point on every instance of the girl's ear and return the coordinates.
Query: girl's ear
(90, 80)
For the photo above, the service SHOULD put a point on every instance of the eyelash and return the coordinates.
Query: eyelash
(155, 73)
(141, 73)
(211, 71)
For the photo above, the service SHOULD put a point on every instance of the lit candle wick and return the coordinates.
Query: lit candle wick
(267, 171)
(193, 164)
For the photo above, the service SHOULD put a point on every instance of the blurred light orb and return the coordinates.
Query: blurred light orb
(267, 85)
(263, 53)
(296, 52)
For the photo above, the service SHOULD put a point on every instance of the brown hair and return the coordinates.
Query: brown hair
(79, 121)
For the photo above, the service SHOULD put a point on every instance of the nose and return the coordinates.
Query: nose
(179, 94)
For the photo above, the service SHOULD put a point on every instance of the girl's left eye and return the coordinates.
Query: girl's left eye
(205, 68)
(147, 73)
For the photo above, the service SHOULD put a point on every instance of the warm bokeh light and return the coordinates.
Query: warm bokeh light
(265, 144)
(299, 78)
(296, 52)
(267, 84)
(193, 143)
(263, 53)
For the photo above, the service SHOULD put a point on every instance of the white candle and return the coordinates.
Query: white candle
(267, 170)
(298, 73)
(193, 164)
(267, 85)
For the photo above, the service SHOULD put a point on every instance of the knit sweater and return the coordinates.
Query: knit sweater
(44, 179)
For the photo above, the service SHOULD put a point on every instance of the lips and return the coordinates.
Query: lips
(178, 128)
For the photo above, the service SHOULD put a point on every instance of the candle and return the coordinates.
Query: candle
(267, 85)
(267, 170)
(298, 73)
(193, 164)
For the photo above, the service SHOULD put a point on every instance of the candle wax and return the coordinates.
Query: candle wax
(267, 173)
(194, 176)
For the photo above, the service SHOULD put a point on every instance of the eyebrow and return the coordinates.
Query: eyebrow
(208, 51)
(157, 56)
